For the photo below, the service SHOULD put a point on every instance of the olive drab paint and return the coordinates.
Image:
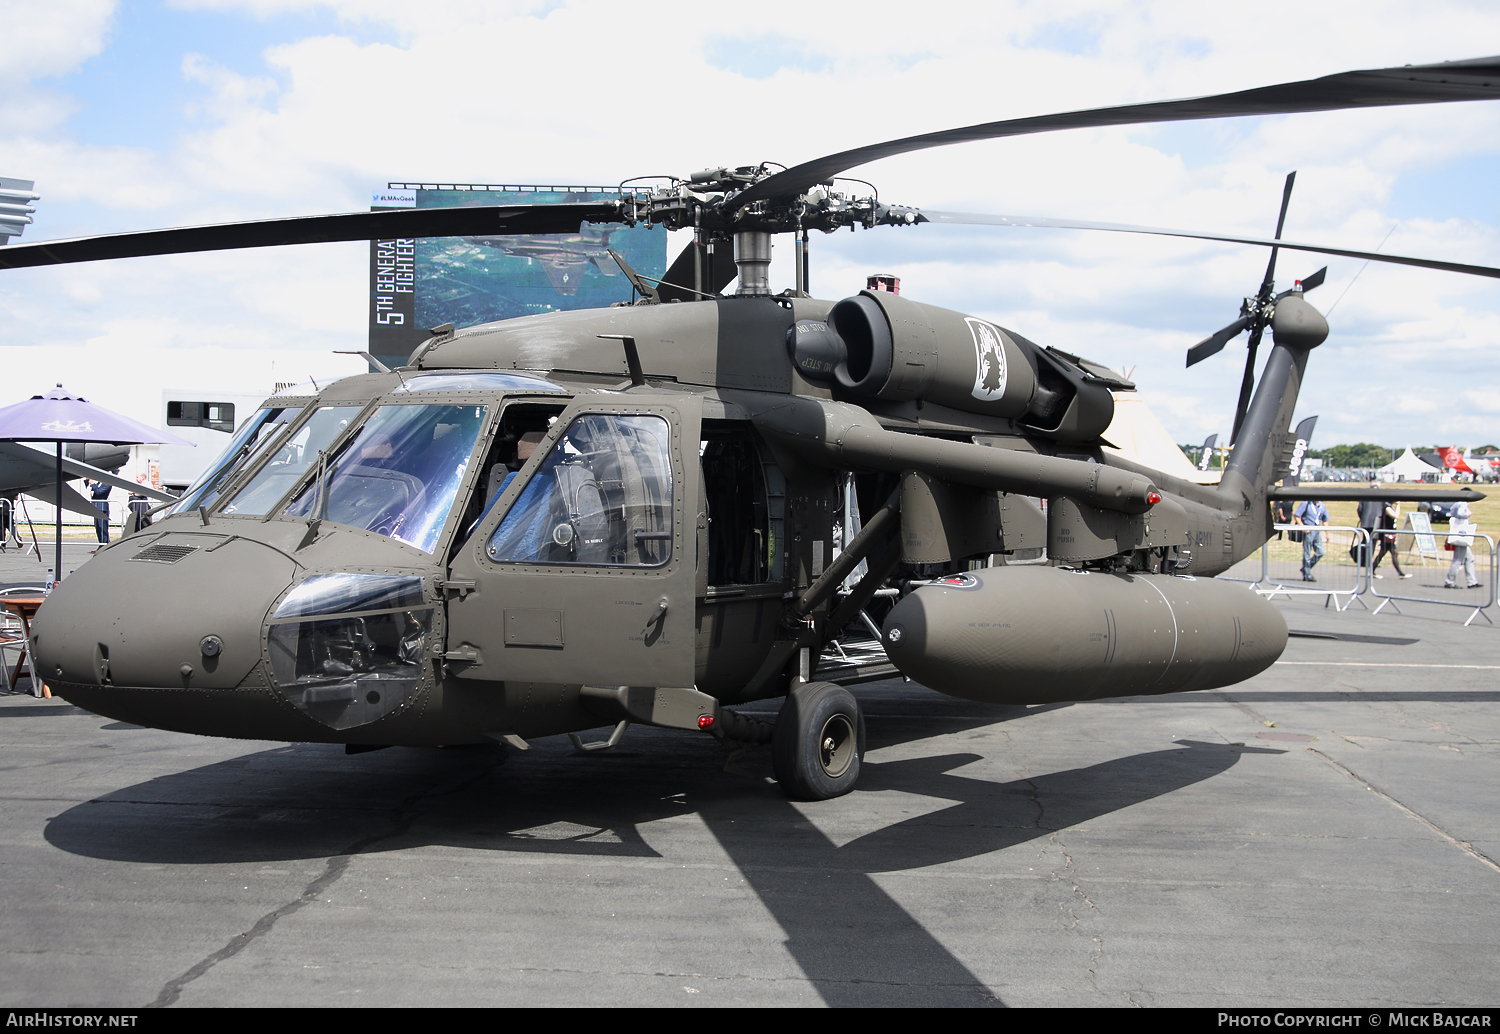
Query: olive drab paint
(647, 513)
(546, 540)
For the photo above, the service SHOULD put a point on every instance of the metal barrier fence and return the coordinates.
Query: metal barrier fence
(1348, 570)
(1335, 564)
(1476, 597)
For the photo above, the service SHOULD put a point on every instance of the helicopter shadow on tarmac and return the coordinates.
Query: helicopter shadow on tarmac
(855, 942)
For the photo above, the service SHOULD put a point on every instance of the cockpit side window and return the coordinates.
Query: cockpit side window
(602, 497)
(518, 432)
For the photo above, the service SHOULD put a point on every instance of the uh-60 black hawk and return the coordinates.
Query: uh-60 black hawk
(654, 512)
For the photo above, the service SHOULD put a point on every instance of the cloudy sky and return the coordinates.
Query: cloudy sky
(133, 114)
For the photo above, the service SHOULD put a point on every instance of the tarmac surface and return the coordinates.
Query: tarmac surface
(1323, 834)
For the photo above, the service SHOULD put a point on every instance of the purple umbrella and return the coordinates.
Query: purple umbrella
(60, 417)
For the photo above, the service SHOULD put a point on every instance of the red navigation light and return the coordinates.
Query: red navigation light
(1153, 498)
(705, 721)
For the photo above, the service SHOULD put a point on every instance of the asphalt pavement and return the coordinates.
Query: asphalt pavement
(1324, 834)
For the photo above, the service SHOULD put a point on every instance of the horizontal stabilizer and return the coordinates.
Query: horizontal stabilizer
(1394, 494)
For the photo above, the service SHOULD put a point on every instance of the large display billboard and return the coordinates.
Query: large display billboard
(419, 284)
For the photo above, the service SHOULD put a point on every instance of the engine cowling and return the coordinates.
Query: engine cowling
(877, 345)
(1031, 635)
(880, 345)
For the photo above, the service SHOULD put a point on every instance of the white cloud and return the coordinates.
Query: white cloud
(44, 40)
(51, 38)
(593, 92)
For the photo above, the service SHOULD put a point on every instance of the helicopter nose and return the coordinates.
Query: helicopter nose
(136, 630)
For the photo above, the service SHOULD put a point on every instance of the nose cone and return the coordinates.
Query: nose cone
(182, 611)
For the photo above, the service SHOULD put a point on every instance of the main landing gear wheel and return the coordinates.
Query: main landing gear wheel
(819, 742)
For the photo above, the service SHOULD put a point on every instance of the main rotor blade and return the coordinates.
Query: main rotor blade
(1476, 79)
(399, 224)
(1215, 342)
(982, 219)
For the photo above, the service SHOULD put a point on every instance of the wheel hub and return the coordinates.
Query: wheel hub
(836, 745)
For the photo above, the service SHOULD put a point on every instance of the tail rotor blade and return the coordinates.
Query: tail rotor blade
(1215, 343)
(1286, 198)
(1247, 384)
(1307, 284)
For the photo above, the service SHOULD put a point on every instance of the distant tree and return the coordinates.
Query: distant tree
(1365, 454)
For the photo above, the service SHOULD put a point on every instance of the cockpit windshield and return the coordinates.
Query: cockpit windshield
(398, 474)
(291, 461)
(247, 442)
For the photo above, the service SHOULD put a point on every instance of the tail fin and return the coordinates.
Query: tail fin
(1263, 450)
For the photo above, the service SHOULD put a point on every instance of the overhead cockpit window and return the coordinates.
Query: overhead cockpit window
(293, 456)
(477, 382)
(602, 497)
(398, 474)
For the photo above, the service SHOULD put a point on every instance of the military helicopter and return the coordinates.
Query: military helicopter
(655, 512)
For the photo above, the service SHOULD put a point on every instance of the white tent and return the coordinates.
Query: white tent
(1407, 467)
(1136, 434)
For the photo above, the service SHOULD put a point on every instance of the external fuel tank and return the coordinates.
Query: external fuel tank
(1032, 635)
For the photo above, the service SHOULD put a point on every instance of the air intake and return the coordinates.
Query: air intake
(164, 554)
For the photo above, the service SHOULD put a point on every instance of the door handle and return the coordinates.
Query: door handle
(658, 619)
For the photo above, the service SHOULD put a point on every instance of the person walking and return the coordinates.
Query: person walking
(1390, 516)
(1283, 515)
(1369, 519)
(100, 492)
(1461, 538)
(1314, 515)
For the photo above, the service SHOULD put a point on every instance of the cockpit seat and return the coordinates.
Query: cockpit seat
(373, 497)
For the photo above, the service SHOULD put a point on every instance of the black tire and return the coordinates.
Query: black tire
(818, 743)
